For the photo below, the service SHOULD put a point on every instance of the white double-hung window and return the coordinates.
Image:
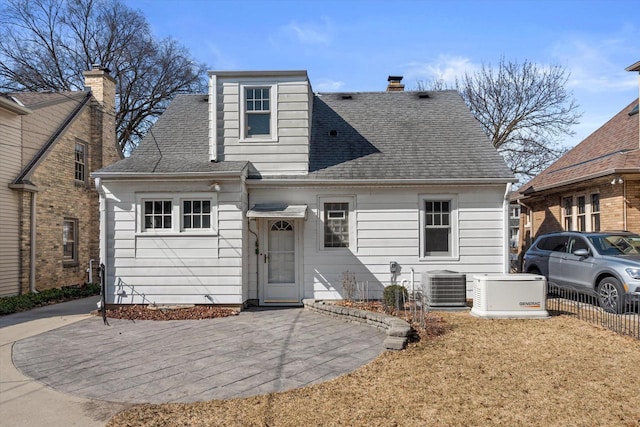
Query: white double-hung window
(258, 115)
(438, 227)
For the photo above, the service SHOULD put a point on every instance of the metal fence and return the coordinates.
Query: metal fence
(584, 304)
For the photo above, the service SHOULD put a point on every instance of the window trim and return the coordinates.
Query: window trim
(73, 260)
(192, 230)
(176, 213)
(592, 213)
(575, 215)
(273, 109)
(351, 200)
(453, 222)
(85, 157)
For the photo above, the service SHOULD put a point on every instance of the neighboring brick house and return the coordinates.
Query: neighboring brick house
(593, 187)
(55, 140)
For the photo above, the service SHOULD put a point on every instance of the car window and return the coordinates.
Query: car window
(577, 243)
(616, 244)
(554, 243)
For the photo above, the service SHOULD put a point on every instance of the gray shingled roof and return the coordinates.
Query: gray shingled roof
(380, 136)
(400, 135)
(177, 143)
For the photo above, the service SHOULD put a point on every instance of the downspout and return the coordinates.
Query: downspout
(213, 118)
(103, 231)
(32, 242)
(624, 204)
(257, 251)
(505, 213)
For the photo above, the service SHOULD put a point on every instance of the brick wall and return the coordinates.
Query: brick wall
(61, 196)
(546, 209)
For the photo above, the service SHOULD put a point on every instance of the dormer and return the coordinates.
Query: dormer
(263, 117)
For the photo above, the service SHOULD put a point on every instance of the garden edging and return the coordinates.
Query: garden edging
(397, 329)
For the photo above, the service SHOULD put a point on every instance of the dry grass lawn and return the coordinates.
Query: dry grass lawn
(556, 372)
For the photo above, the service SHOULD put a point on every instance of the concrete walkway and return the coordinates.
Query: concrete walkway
(25, 402)
(87, 365)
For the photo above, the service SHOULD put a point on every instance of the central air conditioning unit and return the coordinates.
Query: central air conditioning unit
(444, 288)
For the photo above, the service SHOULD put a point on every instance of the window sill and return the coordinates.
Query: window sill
(258, 140)
(70, 264)
(438, 259)
(145, 234)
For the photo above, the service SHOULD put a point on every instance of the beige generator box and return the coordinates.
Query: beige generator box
(511, 296)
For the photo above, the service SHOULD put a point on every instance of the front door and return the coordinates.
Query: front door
(280, 264)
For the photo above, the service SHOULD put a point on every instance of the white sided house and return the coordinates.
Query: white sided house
(263, 192)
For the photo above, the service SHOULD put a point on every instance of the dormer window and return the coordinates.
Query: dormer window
(259, 113)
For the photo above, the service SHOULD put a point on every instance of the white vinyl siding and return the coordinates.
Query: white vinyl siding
(180, 266)
(387, 228)
(286, 149)
(10, 166)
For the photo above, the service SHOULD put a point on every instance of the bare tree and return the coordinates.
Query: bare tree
(47, 44)
(524, 109)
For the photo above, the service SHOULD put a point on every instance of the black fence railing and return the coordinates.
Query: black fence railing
(584, 304)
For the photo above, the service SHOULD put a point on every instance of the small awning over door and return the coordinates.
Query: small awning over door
(269, 210)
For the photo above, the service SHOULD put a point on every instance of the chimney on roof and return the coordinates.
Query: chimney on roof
(103, 88)
(395, 84)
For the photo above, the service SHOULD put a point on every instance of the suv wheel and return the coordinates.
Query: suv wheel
(611, 295)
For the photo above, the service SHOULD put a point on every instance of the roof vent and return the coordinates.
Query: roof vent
(423, 95)
(346, 96)
(333, 132)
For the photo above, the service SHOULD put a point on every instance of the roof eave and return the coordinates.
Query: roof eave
(14, 107)
(35, 161)
(166, 175)
(377, 182)
(536, 190)
(633, 67)
(257, 73)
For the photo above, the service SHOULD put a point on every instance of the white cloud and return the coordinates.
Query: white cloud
(597, 64)
(308, 33)
(327, 85)
(311, 34)
(219, 60)
(445, 68)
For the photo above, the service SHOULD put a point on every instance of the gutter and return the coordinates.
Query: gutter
(261, 182)
(507, 249)
(165, 176)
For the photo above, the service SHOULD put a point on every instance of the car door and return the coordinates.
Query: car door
(557, 247)
(578, 270)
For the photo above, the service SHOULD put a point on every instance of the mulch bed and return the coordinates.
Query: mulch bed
(143, 312)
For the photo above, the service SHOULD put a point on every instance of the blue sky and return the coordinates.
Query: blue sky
(354, 45)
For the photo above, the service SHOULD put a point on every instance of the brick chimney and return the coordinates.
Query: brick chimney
(395, 84)
(103, 88)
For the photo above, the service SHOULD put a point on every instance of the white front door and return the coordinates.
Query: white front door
(280, 270)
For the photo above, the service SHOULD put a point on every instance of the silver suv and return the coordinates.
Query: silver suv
(607, 262)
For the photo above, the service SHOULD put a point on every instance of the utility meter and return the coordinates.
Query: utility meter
(393, 267)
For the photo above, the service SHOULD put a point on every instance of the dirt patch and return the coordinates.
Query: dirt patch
(554, 372)
(143, 312)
